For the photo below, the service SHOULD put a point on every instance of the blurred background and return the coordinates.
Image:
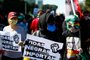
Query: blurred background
(32, 6)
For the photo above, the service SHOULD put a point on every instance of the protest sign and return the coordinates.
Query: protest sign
(9, 41)
(73, 46)
(37, 48)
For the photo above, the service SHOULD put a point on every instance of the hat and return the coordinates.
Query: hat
(12, 15)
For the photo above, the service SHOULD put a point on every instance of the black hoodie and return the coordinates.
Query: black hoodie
(43, 32)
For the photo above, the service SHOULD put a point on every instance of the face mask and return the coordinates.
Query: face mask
(51, 27)
(13, 22)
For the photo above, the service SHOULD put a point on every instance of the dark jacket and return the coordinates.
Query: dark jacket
(43, 32)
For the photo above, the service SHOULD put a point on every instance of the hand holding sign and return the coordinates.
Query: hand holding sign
(21, 43)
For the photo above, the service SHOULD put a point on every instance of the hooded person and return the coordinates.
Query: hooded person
(48, 28)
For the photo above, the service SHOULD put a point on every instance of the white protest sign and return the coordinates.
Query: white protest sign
(73, 43)
(38, 48)
(73, 46)
(9, 41)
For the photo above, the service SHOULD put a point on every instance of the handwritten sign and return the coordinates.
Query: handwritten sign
(39, 48)
(9, 42)
(73, 46)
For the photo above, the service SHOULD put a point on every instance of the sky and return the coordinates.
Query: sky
(59, 3)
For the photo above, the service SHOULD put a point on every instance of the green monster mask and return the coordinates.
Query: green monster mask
(72, 23)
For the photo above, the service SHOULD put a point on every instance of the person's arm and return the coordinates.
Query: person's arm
(23, 37)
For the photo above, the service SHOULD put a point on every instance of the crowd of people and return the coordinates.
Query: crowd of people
(50, 26)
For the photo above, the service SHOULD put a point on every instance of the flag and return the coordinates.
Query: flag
(69, 9)
(77, 7)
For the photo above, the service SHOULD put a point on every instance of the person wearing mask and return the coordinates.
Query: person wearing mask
(34, 23)
(73, 38)
(13, 28)
(48, 28)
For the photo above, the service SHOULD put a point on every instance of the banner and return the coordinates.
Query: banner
(38, 48)
(9, 41)
(73, 46)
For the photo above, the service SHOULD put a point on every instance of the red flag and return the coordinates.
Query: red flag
(77, 7)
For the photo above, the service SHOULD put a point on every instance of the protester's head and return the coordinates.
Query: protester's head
(12, 18)
(86, 15)
(40, 12)
(21, 18)
(48, 11)
(72, 23)
(47, 23)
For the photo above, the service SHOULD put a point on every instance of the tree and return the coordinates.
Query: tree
(83, 7)
(87, 4)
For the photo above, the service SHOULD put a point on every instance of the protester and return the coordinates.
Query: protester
(13, 28)
(72, 34)
(85, 34)
(34, 23)
(23, 23)
(33, 26)
(48, 28)
(58, 21)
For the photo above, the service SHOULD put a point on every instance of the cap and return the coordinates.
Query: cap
(12, 15)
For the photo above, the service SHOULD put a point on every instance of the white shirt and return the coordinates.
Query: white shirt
(21, 31)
